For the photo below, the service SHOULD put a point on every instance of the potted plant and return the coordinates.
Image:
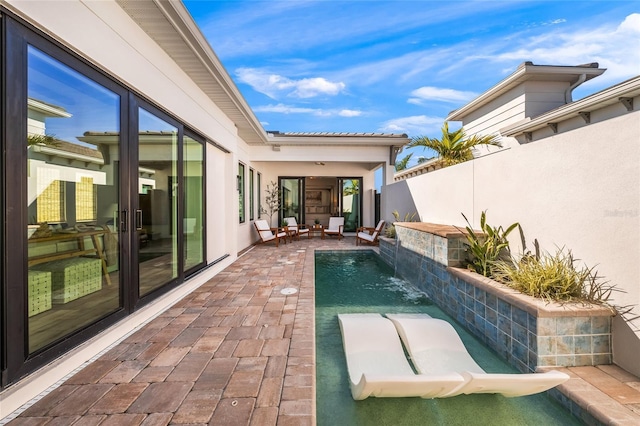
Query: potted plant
(316, 222)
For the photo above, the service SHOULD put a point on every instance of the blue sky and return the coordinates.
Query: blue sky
(402, 66)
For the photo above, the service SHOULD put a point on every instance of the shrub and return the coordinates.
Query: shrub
(486, 249)
(390, 230)
(554, 277)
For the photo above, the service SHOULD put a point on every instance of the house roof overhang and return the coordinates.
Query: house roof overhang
(394, 141)
(329, 138)
(528, 71)
(170, 25)
(612, 95)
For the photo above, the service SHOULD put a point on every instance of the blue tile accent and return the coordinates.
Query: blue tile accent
(491, 316)
(520, 333)
(520, 317)
(504, 308)
(492, 301)
(504, 324)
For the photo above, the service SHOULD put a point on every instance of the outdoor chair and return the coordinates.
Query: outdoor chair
(336, 227)
(369, 235)
(296, 230)
(267, 233)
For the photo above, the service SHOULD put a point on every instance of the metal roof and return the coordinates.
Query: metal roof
(337, 138)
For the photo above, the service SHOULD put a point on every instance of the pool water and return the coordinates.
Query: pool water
(351, 282)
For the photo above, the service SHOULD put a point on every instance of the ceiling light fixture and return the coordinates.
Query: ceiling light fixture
(319, 163)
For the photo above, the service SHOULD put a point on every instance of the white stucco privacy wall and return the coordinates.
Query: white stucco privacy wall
(579, 190)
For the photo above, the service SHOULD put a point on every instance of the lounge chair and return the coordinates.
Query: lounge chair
(435, 346)
(336, 227)
(267, 233)
(369, 235)
(377, 364)
(296, 230)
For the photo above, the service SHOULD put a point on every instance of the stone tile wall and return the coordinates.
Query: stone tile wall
(527, 332)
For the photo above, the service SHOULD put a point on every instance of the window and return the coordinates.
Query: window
(50, 198)
(241, 192)
(85, 200)
(193, 177)
(251, 195)
(259, 196)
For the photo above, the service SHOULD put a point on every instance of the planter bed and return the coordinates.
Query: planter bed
(526, 331)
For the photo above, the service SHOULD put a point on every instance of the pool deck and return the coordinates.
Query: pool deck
(237, 351)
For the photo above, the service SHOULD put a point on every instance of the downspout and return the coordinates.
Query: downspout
(567, 93)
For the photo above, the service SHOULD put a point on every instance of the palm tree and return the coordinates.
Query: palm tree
(402, 164)
(454, 147)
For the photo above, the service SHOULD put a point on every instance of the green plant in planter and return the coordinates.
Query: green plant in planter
(390, 230)
(285, 222)
(317, 221)
(484, 250)
(554, 277)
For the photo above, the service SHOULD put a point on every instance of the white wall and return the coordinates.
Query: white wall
(579, 190)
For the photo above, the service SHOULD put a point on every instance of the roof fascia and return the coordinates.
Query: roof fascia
(344, 140)
(527, 71)
(185, 27)
(609, 96)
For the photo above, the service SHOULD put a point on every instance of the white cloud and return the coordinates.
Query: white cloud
(417, 125)
(275, 86)
(428, 93)
(609, 45)
(350, 113)
(318, 112)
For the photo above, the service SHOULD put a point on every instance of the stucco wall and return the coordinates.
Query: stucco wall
(579, 190)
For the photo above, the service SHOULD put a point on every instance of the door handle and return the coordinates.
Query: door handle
(138, 220)
(123, 221)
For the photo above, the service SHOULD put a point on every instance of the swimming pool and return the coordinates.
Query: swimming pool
(359, 281)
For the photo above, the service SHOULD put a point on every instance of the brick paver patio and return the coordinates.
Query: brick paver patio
(235, 351)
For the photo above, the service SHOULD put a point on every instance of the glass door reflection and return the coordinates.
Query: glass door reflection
(156, 217)
(350, 202)
(193, 228)
(291, 198)
(73, 178)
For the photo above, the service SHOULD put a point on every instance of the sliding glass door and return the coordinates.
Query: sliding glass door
(156, 216)
(104, 202)
(73, 193)
(193, 181)
(291, 190)
(350, 202)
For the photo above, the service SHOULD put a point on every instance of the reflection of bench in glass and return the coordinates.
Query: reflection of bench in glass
(39, 292)
(72, 278)
(69, 246)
